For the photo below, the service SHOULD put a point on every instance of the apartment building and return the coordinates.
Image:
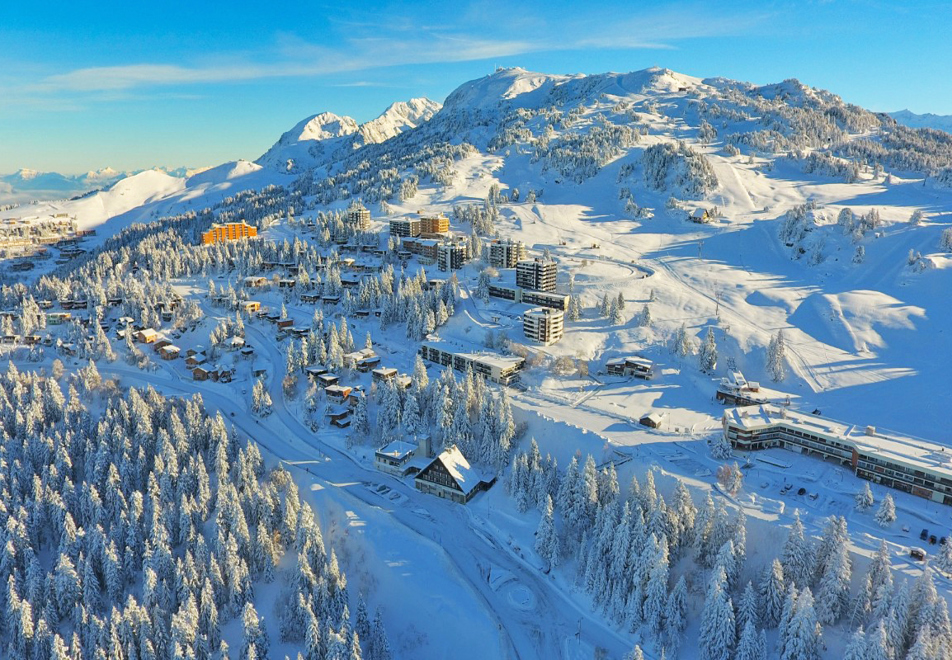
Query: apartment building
(405, 227)
(497, 368)
(231, 231)
(506, 254)
(909, 464)
(536, 274)
(358, 216)
(543, 324)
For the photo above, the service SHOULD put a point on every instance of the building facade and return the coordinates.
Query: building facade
(536, 274)
(911, 465)
(231, 231)
(506, 254)
(497, 368)
(436, 224)
(536, 298)
(451, 477)
(451, 256)
(358, 216)
(543, 324)
(405, 227)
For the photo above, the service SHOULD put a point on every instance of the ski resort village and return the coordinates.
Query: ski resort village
(615, 366)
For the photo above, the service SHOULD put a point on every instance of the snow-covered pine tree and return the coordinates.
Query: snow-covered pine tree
(864, 498)
(717, 635)
(834, 588)
(748, 609)
(748, 646)
(547, 541)
(615, 316)
(886, 513)
(776, 355)
(797, 555)
(772, 592)
(675, 615)
(644, 319)
(804, 638)
(682, 345)
(707, 356)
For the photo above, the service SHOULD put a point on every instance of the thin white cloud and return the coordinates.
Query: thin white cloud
(384, 43)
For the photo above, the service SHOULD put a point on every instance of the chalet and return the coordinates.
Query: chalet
(361, 313)
(337, 393)
(339, 416)
(314, 371)
(258, 371)
(58, 318)
(300, 331)
(225, 374)
(368, 363)
(286, 283)
(169, 352)
(311, 298)
(351, 359)
(326, 380)
(255, 282)
(31, 340)
(384, 374)
(331, 300)
(45, 304)
(195, 360)
(451, 477)
(69, 349)
(700, 215)
(395, 458)
(652, 420)
(9, 339)
(147, 336)
(247, 352)
(630, 366)
(194, 351)
(273, 317)
(235, 343)
(200, 373)
(250, 306)
(403, 381)
(159, 344)
(355, 397)
(285, 324)
(126, 320)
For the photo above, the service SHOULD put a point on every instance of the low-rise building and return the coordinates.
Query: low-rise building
(395, 457)
(450, 476)
(498, 368)
(700, 215)
(250, 306)
(909, 464)
(147, 336)
(384, 374)
(169, 352)
(337, 393)
(737, 390)
(543, 324)
(630, 366)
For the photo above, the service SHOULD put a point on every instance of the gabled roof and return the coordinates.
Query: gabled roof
(464, 474)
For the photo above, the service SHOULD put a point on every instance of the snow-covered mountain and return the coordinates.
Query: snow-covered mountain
(27, 184)
(925, 120)
(314, 139)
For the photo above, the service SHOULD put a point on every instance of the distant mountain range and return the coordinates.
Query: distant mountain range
(927, 120)
(27, 185)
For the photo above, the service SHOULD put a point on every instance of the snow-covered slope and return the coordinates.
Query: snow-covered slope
(314, 139)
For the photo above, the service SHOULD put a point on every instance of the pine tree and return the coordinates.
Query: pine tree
(621, 301)
(675, 614)
(776, 354)
(864, 498)
(856, 648)
(747, 608)
(797, 556)
(547, 541)
(644, 320)
(877, 644)
(615, 317)
(834, 590)
(886, 513)
(772, 591)
(748, 648)
(707, 356)
(717, 632)
(681, 345)
(804, 637)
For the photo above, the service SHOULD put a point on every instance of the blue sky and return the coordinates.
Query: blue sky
(86, 85)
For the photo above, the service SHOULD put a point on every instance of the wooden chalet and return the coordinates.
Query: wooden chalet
(451, 477)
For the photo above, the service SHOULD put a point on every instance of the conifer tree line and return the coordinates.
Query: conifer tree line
(137, 526)
(464, 412)
(626, 545)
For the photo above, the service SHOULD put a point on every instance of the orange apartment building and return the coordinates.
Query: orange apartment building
(231, 231)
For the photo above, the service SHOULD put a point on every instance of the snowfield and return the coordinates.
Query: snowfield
(812, 244)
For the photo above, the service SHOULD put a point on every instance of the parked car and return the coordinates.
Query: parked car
(802, 491)
(918, 554)
(943, 541)
(924, 534)
(932, 540)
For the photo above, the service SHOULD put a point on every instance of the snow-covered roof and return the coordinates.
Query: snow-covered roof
(868, 441)
(398, 449)
(465, 475)
(699, 212)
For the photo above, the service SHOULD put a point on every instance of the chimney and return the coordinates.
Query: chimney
(871, 431)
